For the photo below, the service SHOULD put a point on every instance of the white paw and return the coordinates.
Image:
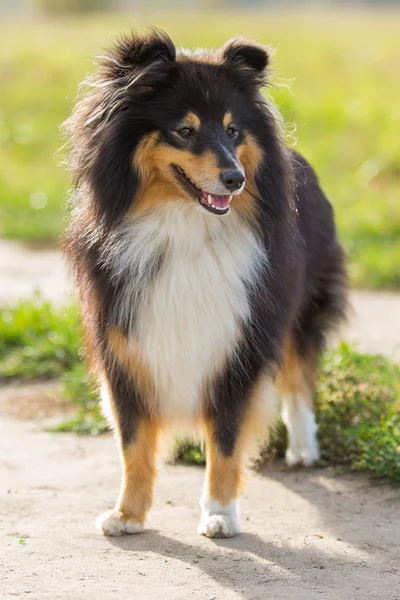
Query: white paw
(218, 526)
(302, 432)
(306, 456)
(218, 521)
(112, 523)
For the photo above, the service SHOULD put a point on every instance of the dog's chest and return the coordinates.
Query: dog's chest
(189, 305)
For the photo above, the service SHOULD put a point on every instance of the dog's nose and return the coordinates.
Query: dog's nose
(232, 180)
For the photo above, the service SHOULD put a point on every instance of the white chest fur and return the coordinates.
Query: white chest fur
(187, 315)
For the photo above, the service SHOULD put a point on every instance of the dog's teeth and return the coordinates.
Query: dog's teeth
(230, 198)
(209, 200)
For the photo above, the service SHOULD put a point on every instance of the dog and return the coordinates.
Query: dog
(206, 262)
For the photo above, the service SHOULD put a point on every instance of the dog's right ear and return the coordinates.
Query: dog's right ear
(136, 52)
(103, 139)
(137, 63)
(139, 51)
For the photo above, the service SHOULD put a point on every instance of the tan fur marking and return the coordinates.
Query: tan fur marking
(223, 474)
(158, 182)
(227, 120)
(145, 159)
(262, 415)
(245, 204)
(296, 376)
(250, 156)
(139, 471)
(191, 120)
(130, 359)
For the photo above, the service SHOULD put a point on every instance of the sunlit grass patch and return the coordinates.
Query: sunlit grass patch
(38, 341)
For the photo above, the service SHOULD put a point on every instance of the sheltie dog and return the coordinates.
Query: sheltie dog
(206, 262)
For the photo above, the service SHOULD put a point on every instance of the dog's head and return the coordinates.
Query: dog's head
(158, 126)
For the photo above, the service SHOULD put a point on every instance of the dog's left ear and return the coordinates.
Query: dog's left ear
(249, 58)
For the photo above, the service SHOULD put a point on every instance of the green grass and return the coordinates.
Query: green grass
(359, 412)
(358, 402)
(343, 71)
(37, 342)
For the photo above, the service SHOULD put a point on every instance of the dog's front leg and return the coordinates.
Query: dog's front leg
(227, 415)
(218, 503)
(239, 413)
(135, 497)
(137, 434)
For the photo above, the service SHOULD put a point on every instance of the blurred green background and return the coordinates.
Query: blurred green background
(336, 81)
(335, 78)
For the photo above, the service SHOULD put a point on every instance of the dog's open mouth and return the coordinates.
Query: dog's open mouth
(215, 203)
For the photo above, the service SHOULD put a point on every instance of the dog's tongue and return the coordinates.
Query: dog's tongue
(216, 200)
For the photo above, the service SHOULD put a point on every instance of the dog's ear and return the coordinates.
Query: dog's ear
(136, 51)
(137, 60)
(102, 130)
(136, 64)
(247, 58)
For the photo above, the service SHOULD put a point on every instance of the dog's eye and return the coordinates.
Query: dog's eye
(185, 132)
(231, 131)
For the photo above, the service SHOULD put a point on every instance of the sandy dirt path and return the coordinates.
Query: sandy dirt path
(306, 534)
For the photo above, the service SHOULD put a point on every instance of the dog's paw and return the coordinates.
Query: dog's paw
(113, 523)
(302, 432)
(218, 526)
(305, 456)
(218, 521)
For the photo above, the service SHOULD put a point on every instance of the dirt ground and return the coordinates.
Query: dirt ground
(25, 271)
(306, 533)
